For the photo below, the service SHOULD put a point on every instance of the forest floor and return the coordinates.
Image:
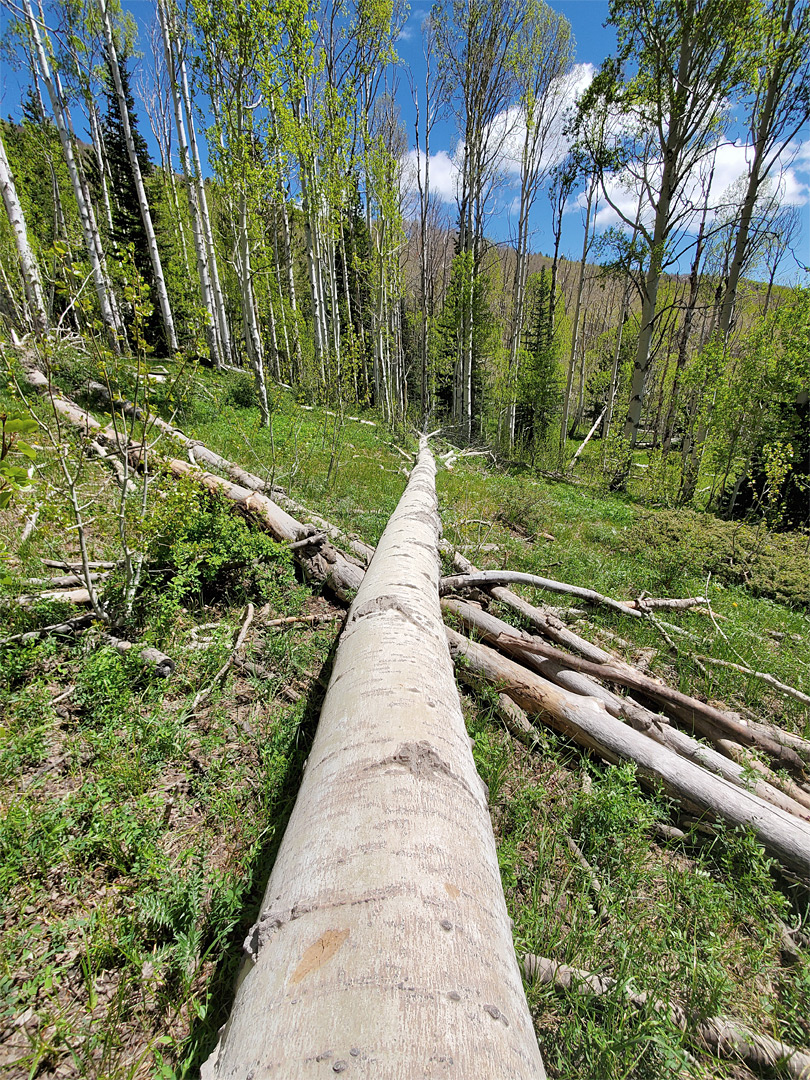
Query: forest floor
(136, 833)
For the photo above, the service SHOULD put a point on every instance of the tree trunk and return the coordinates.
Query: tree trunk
(383, 944)
(146, 216)
(218, 298)
(590, 725)
(197, 228)
(577, 304)
(89, 229)
(652, 724)
(726, 1038)
(28, 262)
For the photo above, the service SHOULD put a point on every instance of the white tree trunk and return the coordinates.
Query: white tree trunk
(213, 268)
(146, 216)
(383, 947)
(587, 721)
(586, 243)
(197, 228)
(89, 230)
(28, 262)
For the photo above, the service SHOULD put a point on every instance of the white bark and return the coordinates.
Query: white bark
(587, 721)
(383, 947)
(213, 268)
(92, 241)
(28, 262)
(146, 216)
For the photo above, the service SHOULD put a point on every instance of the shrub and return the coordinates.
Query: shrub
(240, 390)
(737, 554)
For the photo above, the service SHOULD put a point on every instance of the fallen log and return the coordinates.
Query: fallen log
(63, 581)
(383, 943)
(163, 664)
(82, 420)
(496, 632)
(486, 579)
(67, 596)
(705, 718)
(722, 1036)
(325, 563)
(202, 455)
(60, 564)
(69, 626)
(763, 676)
(588, 723)
(652, 603)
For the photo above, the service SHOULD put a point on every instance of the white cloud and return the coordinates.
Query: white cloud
(506, 135)
(789, 179)
(443, 174)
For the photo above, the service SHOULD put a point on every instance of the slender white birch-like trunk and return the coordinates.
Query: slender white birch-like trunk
(197, 228)
(213, 268)
(586, 243)
(28, 263)
(383, 946)
(92, 242)
(146, 216)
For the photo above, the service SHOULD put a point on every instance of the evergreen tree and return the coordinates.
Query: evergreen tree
(127, 221)
(540, 385)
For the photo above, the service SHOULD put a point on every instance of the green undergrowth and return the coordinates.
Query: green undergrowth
(136, 835)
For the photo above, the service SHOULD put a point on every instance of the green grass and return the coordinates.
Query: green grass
(135, 840)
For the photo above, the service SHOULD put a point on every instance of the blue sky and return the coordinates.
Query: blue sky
(594, 41)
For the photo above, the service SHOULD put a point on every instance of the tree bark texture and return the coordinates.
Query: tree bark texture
(383, 947)
(143, 205)
(590, 725)
(28, 263)
(653, 724)
(725, 1037)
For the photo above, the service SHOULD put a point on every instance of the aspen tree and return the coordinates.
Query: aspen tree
(143, 204)
(383, 946)
(28, 263)
(90, 233)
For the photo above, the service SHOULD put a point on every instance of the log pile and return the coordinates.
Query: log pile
(698, 752)
(554, 674)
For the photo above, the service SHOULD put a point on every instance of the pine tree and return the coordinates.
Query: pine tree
(127, 221)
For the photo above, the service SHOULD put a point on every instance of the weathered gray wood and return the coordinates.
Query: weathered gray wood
(485, 579)
(383, 947)
(729, 1039)
(163, 664)
(587, 721)
(657, 727)
(705, 718)
(322, 562)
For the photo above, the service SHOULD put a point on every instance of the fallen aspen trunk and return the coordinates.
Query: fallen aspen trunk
(67, 596)
(763, 676)
(70, 626)
(486, 579)
(495, 631)
(323, 562)
(64, 581)
(587, 722)
(202, 455)
(651, 603)
(727, 1038)
(703, 717)
(163, 664)
(383, 944)
(81, 419)
(553, 628)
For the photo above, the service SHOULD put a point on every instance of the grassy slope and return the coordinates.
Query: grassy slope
(135, 839)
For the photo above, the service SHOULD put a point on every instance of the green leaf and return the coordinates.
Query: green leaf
(24, 448)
